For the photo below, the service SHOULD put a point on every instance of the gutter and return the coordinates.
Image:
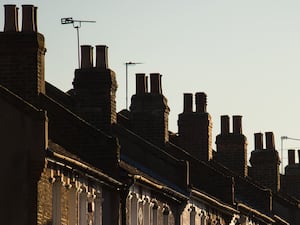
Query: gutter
(210, 200)
(83, 166)
(163, 188)
(255, 212)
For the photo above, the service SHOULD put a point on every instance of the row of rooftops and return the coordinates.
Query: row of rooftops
(124, 147)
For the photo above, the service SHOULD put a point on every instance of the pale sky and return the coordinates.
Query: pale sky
(244, 54)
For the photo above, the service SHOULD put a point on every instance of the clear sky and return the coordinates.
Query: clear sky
(243, 54)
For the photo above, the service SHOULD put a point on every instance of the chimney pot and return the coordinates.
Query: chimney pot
(155, 82)
(201, 102)
(101, 56)
(35, 18)
(291, 156)
(187, 102)
(225, 124)
(86, 56)
(237, 124)
(270, 145)
(141, 83)
(11, 18)
(258, 139)
(28, 17)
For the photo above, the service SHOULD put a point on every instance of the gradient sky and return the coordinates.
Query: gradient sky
(243, 54)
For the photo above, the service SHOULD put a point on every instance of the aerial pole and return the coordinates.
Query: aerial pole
(76, 25)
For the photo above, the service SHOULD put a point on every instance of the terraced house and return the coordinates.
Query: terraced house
(68, 158)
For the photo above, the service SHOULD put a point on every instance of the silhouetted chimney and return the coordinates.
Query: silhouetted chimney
(141, 83)
(101, 56)
(258, 140)
(291, 178)
(155, 82)
(291, 156)
(95, 89)
(86, 56)
(237, 124)
(28, 21)
(195, 128)
(23, 71)
(270, 144)
(232, 147)
(201, 102)
(11, 18)
(149, 111)
(187, 102)
(225, 124)
(265, 162)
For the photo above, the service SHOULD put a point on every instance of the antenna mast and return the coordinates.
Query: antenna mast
(76, 25)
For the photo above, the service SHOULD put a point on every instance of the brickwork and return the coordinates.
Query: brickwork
(44, 212)
(22, 63)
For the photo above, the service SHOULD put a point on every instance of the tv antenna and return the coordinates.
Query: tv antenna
(129, 64)
(76, 25)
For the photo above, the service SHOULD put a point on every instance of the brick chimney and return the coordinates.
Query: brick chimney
(195, 128)
(232, 146)
(149, 111)
(265, 162)
(291, 178)
(22, 54)
(95, 88)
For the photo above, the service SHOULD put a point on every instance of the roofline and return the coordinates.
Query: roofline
(210, 200)
(256, 212)
(84, 166)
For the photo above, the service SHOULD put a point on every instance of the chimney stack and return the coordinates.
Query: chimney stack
(291, 156)
(28, 18)
(232, 146)
(195, 128)
(101, 56)
(95, 88)
(11, 18)
(23, 71)
(258, 139)
(141, 83)
(265, 162)
(86, 56)
(187, 103)
(149, 111)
